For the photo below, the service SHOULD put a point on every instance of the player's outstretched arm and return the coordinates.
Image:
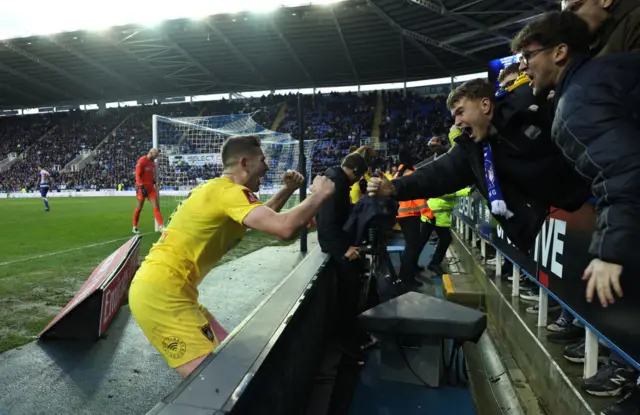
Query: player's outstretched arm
(286, 225)
(292, 181)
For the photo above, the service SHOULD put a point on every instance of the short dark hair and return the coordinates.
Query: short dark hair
(238, 146)
(555, 28)
(355, 162)
(514, 68)
(368, 153)
(474, 89)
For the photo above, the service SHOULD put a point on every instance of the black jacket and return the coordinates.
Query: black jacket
(533, 174)
(597, 126)
(370, 211)
(333, 214)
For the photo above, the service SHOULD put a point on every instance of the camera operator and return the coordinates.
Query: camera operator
(334, 241)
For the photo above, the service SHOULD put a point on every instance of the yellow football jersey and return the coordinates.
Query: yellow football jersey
(201, 230)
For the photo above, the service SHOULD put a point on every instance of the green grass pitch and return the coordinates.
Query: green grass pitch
(46, 256)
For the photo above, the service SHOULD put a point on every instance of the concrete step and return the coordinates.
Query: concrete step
(554, 380)
(463, 289)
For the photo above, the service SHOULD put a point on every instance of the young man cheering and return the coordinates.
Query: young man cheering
(596, 127)
(506, 152)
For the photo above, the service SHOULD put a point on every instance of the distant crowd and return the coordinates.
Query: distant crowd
(104, 145)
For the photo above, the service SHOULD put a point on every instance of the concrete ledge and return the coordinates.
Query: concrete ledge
(463, 289)
(548, 381)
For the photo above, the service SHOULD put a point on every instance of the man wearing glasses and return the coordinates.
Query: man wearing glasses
(596, 125)
(506, 152)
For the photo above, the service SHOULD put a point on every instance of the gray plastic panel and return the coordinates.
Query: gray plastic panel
(219, 382)
(420, 314)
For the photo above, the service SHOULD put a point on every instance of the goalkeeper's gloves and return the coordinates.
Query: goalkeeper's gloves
(143, 190)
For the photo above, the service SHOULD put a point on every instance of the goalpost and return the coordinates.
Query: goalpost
(190, 154)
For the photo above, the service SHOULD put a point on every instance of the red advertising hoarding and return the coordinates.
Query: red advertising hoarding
(114, 291)
(79, 317)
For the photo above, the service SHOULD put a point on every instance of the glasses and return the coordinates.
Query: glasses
(572, 6)
(526, 55)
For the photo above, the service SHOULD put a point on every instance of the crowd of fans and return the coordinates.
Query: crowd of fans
(112, 140)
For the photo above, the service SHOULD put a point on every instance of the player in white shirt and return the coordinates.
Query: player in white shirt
(45, 182)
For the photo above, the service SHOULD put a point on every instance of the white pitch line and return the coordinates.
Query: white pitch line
(15, 261)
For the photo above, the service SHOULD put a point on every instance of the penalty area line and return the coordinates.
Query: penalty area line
(64, 251)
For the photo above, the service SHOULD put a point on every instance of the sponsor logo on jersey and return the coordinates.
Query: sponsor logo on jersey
(174, 347)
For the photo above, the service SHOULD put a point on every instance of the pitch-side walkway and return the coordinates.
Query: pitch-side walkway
(123, 374)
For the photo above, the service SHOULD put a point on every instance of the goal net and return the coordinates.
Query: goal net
(190, 154)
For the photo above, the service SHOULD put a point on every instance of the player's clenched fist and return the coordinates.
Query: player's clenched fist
(322, 186)
(380, 186)
(292, 179)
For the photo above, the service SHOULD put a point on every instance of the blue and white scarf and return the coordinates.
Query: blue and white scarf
(498, 206)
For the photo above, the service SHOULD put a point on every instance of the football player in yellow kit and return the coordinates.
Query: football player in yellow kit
(164, 296)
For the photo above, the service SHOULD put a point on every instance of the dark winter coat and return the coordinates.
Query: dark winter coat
(532, 172)
(597, 127)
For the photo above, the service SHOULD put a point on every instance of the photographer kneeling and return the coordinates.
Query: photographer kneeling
(334, 241)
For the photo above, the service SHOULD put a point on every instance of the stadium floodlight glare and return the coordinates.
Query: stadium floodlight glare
(18, 19)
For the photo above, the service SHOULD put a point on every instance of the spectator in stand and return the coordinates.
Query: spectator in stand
(615, 23)
(499, 156)
(588, 127)
(598, 133)
(509, 75)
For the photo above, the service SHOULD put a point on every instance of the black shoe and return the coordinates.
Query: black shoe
(610, 380)
(571, 334)
(628, 405)
(575, 353)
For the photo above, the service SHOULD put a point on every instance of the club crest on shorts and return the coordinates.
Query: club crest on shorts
(208, 333)
(175, 347)
(250, 196)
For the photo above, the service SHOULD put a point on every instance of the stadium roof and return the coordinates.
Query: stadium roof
(347, 43)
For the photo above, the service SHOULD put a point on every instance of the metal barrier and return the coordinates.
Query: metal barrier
(267, 364)
(557, 264)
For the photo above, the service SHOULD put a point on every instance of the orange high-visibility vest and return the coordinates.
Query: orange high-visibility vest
(416, 207)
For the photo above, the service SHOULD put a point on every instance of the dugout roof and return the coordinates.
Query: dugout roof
(349, 43)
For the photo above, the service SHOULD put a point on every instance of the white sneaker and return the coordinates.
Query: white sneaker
(559, 325)
(135, 231)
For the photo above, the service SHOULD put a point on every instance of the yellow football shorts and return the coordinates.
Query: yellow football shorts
(174, 323)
